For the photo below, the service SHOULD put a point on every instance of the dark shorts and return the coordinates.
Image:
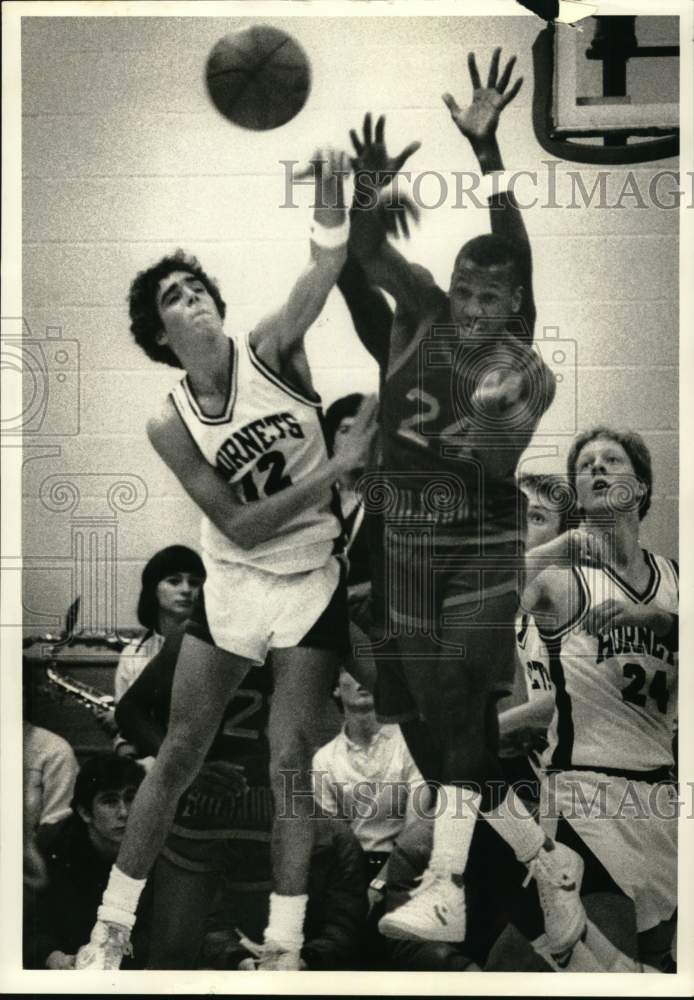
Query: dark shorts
(427, 589)
(331, 630)
(487, 636)
(393, 699)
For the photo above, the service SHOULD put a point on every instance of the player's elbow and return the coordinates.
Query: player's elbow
(244, 531)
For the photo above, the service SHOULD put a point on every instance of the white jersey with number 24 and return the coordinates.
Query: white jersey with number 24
(615, 692)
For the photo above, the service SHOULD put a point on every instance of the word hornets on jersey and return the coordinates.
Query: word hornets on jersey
(268, 437)
(616, 692)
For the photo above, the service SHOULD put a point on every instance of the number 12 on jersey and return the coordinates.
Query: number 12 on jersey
(272, 463)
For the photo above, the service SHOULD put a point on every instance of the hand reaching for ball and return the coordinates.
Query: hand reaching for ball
(330, 169)
(373, 167)
(478, 122)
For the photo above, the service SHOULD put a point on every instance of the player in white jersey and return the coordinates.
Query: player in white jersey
(609, 620)
(242, 434)
(523, 727)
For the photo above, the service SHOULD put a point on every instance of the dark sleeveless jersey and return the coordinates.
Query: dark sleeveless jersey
(435, 456)
(212, 804)
(209, 806)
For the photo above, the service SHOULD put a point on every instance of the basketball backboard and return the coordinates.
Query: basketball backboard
(609, 92)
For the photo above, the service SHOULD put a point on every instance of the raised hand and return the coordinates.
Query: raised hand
(620, 612)
(395, 215)
(329, 168)
(478, 122)
(614, 613)
(373, 167)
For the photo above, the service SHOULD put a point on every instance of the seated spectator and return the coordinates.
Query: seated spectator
(171, 583)
(50, 765)
(78, 852)
(367, 776)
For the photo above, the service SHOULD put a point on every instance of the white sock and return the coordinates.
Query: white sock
(120, 898)
(285, 926)
(456, 815)
(517, 827)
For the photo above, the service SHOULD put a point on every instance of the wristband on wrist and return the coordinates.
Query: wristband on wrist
(330, 238)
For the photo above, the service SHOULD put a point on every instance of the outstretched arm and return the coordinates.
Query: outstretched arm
(249, 524)
(478, 123)
(280, 335)
(384, 265)
(371, 315)
(553, 598)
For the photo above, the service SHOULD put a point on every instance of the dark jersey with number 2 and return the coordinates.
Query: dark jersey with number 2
(213, 804)
(442, 461)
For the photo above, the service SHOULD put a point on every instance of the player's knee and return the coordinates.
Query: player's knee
(180, 758)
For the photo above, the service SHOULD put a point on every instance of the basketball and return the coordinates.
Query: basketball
(258, 78)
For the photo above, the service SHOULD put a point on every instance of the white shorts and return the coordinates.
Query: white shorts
(631, 828)
(250, 611)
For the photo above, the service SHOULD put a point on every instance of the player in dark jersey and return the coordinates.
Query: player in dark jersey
(223, 821)
(463, 394)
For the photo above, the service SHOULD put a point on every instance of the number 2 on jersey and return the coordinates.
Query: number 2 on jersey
(276, 481)
(231, 725)
(428, 411)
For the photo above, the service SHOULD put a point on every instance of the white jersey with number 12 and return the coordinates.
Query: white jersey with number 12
(268, 437)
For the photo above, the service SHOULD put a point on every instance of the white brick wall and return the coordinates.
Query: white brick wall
(124, 159)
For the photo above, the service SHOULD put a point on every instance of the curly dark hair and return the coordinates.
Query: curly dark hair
(635, 447)
(145, 321)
